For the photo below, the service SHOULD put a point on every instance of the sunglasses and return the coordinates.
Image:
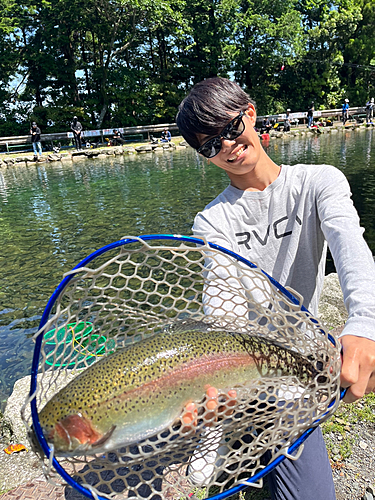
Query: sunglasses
(231, 131)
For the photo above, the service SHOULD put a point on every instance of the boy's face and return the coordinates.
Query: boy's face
(239, 156)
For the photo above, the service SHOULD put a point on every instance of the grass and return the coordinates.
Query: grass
(342, 423)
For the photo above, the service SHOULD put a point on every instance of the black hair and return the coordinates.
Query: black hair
(209, 107)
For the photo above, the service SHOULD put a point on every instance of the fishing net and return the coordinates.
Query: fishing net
(134, 291)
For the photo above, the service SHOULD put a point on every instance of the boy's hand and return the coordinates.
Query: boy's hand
(358, 367)
(212, 407)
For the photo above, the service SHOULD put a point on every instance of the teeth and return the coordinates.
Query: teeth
(240, 151)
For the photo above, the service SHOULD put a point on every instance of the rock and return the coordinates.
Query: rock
(54, 157)
(92, 153)
(183, 143)
(143, 149)
(331, 309)
(363, 445)
(129, 150)
(20, 468)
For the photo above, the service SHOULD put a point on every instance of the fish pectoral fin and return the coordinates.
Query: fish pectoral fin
(104, 438)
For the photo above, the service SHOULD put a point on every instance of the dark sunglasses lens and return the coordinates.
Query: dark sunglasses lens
(211, 148)
(234, 129)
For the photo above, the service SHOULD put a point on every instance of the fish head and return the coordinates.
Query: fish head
(74, 435)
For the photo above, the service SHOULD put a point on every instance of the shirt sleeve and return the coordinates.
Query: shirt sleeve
(352, 257)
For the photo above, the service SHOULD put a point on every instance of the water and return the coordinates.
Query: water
(54, 215)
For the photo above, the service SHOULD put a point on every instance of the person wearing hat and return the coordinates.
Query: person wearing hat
(35, 140)
(287, 121)
(345, 111)
(117, 139)
(370, 111)
(76, 128)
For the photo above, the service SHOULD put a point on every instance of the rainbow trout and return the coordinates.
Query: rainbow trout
(142, 389)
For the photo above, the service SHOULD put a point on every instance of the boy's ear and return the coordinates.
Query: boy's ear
(251, 113)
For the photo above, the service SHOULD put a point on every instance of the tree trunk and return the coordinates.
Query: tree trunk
(102, 115)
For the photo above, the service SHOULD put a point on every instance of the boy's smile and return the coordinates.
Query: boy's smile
(237, 153)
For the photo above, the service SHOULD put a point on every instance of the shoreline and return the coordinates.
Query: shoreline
(177, 143)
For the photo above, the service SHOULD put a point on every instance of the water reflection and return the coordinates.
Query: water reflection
(53, 215)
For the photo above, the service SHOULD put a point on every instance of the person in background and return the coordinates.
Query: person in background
(166, 136)
(370, 110)
(76, 128)
(287, 121)
(117, 139)
(345, 111)
(310, 114)
(266, 125)
(35, 140)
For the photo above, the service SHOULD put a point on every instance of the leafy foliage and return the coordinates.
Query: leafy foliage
(128, 62)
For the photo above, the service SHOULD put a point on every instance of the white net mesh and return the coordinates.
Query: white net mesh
(132, 350)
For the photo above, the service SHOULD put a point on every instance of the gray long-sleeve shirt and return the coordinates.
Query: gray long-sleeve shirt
(285, 230)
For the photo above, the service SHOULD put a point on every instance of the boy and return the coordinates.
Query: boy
(282, 217)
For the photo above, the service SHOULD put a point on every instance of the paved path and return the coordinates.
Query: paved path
(37, 489)
(40, 489)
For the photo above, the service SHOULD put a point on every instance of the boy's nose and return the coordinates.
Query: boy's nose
(227, 143)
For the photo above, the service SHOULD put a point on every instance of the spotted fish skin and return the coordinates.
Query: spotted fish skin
(142, 389)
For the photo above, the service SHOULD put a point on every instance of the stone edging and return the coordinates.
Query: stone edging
(28, 160)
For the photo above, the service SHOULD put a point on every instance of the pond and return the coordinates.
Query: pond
(54, 215)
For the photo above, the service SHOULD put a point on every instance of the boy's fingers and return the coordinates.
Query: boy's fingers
(189, 417)
(211, 404)
(358, 367)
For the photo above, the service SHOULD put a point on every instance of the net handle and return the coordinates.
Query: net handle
(38, 342)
